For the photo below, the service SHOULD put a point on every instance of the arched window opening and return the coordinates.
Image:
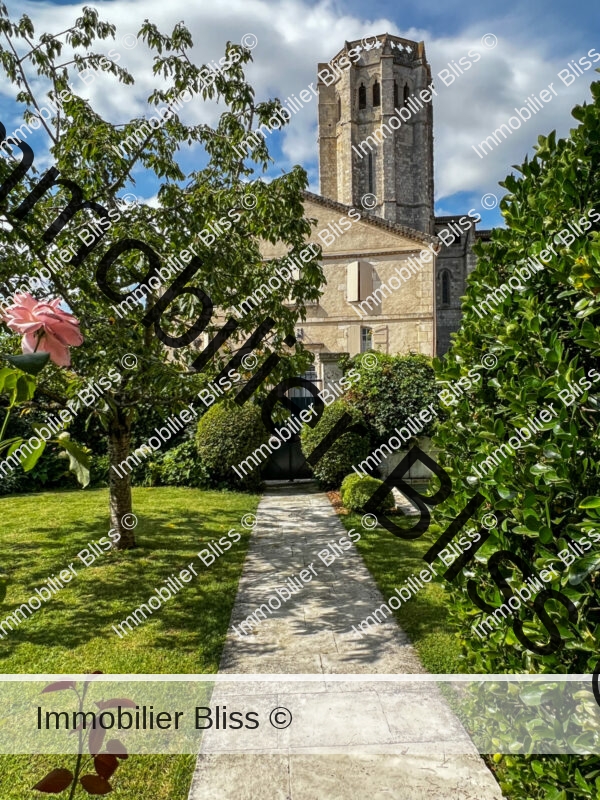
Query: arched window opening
(339, 109)
(406, 93)
(376, 94)
(362, 96)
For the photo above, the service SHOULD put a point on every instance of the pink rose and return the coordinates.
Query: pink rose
(45, 327)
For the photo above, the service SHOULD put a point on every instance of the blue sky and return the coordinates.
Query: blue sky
(535, 41)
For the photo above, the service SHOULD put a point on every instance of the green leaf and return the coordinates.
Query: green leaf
(590, 502)
(31, 363)
(31, 457)
(532, 695)
(79, 460)
(580, 569)
(540, 469)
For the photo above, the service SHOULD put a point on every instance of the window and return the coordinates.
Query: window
(370, 175)
(359, 281)
(366, 339)
(339, 109)
(396, 95)
(376, 94)
(406, 93)
(445, 288)
(362, 96)
(300, 395)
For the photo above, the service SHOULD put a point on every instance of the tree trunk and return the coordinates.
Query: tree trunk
(121, 517)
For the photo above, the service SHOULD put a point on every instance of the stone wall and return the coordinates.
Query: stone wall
(400, 174)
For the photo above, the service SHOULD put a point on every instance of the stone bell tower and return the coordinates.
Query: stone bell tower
(376, 130)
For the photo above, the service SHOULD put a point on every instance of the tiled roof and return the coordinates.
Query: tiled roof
(393, 227)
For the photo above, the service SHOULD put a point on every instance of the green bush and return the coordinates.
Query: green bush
(181, 466)
(50, 472)
(348, 450)
(541, 339)
(356, 491)
(392, 390)
(149, 471)
(226, 436)
(99, 467)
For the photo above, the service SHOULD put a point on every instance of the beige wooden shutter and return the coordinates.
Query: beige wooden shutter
(380, 338)
(365, 279)
(354, 339)
(352, 282)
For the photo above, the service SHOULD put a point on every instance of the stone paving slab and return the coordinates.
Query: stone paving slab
(406, 744)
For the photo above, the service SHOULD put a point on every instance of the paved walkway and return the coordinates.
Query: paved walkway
(404, 744)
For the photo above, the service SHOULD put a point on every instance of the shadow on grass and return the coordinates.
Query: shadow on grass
(424, 617)
(107, 591)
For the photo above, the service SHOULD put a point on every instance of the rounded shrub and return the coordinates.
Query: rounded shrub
(348, 450)
(356, 491)
(224, 438)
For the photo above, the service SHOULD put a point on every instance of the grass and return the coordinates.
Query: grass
(72, 632)
(392, 560)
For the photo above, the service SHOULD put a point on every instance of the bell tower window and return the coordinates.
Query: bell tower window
(362, 96)
(406, 93)
(376, 94)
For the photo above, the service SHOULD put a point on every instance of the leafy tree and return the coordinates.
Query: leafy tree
(98, 156)
(392, 389)
(545, 335)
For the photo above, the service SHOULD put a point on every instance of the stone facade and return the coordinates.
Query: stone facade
(454, 263)
(376, 170)
(391, 320)
(359, 152)
(363, 152)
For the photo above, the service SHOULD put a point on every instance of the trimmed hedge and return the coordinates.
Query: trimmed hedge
(348, 450)
(356, 491)
(226, 436)
(541, 343)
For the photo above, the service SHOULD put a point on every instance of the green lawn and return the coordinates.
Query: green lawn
(424, 617)
(42, 534)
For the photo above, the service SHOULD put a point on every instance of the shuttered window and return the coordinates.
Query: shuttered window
(359, 281)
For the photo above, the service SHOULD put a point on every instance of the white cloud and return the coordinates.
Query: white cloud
(295, 35)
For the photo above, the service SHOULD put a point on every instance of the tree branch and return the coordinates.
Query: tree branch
(28, 87)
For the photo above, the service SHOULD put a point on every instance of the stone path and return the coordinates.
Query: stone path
(405, 743)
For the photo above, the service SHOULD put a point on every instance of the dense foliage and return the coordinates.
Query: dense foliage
(342, 454)
(545, 336)
(357, 491)
(226, 436)
(392, 390)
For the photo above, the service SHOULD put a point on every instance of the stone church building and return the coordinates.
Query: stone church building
(394, 272)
